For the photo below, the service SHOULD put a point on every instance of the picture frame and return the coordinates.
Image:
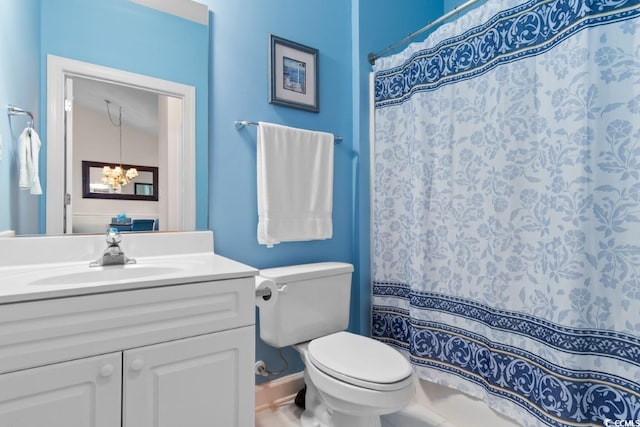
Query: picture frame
(293, 75)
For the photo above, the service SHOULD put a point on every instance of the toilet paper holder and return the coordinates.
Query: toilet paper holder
(265, 293)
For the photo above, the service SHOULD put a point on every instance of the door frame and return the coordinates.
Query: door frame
(182, 186)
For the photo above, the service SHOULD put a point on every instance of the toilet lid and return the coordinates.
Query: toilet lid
(360, 361)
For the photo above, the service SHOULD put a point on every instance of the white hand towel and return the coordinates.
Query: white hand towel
(36, 189)
(29, 152)
(24, 152)
(295, 184)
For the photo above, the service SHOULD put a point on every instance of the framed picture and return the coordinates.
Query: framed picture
(144, 189)
(293, 75)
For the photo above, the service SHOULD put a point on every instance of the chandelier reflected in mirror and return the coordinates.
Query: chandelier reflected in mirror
(116, 177)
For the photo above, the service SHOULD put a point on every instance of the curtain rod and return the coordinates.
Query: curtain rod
(373, 56)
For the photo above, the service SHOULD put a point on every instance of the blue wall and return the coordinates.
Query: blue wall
(239, 91)
(124, 35)
(343, 34)
(20, 86)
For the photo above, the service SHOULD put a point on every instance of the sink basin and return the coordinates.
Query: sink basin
(105, 274)
(41, 268)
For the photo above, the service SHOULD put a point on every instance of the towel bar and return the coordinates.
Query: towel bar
(239, 124)
(14, 111)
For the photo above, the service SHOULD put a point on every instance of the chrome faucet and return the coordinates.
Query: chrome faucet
(112, 255)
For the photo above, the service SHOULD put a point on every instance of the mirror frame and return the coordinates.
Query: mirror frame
(182, 186)
(86, 181)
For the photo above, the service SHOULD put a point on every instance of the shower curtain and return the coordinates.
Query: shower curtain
(506, 208)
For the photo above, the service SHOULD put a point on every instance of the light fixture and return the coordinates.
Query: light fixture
(117, 176)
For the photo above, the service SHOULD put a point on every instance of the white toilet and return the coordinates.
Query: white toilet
(351, 380)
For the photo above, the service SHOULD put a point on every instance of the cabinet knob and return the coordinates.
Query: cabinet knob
(106, 370)
(137, 365)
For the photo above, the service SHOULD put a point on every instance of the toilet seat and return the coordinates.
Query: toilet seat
(360, 361)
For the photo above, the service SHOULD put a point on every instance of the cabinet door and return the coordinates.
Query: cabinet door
(80, 393)
(204, 381)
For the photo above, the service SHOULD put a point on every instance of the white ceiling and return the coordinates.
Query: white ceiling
(139, 107)
(188, 9)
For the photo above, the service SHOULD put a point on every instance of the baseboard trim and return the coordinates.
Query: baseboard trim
(278, 392)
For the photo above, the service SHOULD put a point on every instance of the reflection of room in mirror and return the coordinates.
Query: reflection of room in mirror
(175, 147)
(96, 140)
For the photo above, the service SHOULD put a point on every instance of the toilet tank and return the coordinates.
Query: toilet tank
(312, 301)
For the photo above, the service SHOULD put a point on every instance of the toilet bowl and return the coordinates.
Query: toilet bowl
(351, 379)
(355, 390)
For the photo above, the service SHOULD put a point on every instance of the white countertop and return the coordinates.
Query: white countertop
(55, 280)
(35, 268)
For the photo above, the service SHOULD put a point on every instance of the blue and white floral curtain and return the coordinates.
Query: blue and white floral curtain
(506, 208)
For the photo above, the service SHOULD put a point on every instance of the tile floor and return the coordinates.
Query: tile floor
(288, 415)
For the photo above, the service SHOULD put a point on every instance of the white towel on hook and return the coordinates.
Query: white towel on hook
(29, 152)
(295, 184)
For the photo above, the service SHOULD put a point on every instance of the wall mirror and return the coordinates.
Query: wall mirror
(63, 69)
(98, 184)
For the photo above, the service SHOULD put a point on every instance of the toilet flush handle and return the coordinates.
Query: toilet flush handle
(283, 288)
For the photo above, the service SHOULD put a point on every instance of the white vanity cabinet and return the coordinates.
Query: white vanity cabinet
(167, 356)
(191, 382)
(79, 393)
